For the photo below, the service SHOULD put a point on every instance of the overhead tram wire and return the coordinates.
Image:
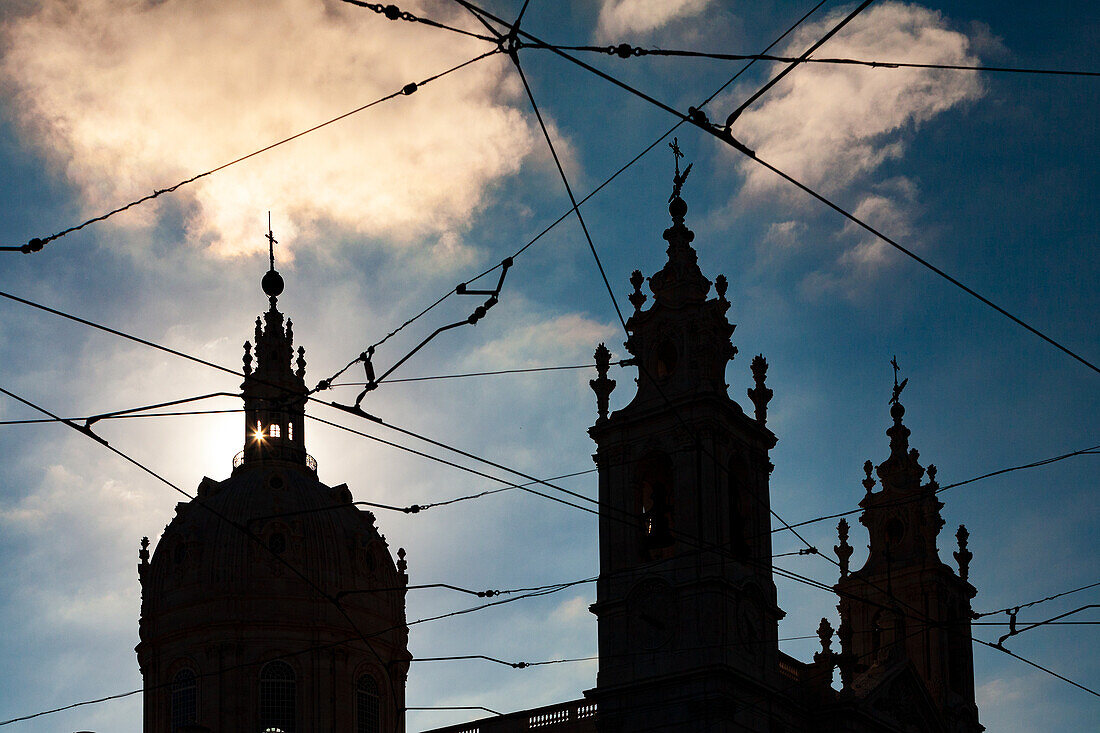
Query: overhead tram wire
(418, 508)
(46, 420)
(392, 12)
(699, 119)
(594, 191)
(627, 51)
(794, 64)
(1040, 667)
(1040, 600)
(1094, 450)
(452, 464)
(236, 525)
(37, 243)
(524, 370)
(568, 189)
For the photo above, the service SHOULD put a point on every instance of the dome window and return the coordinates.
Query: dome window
(367, 709)
(185, 690)
(277, 698)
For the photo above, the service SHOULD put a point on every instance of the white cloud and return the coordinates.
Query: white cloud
(544, 341)
(831, 125)
(125, 97)
(620, 17)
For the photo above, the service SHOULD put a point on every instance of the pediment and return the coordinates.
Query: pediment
(896, 694)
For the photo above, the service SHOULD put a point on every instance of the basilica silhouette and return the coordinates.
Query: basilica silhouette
(238, 632)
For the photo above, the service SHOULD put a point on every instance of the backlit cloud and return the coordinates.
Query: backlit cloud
(829, 125)
(125, 97)
(620, 17)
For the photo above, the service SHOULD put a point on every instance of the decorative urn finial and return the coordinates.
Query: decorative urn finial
(963, 556)
(637, 298)
(825, 634)
(760, 395)
(843, 550)
(601, 385)
(868, 481)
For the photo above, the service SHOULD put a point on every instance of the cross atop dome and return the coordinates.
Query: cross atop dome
(272, 282)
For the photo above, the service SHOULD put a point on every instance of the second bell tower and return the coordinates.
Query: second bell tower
(685, 599)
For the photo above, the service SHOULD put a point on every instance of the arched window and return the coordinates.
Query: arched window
(740, 508)
(185, 696)
(367, 711)
(655, 501)
(275, 431)
(277, 710)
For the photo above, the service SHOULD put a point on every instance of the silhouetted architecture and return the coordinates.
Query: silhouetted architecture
(686, 605)
(259, 584)
(239, 632)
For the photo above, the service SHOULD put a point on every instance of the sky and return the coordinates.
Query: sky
(991, 177)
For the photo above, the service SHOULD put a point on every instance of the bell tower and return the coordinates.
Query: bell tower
(905, 606)
(274, 391)
(686, 605)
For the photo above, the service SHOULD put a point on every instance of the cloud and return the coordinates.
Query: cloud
(830, 125)
(540, 341)
(620, 17)
(891, 208)
(124, 97)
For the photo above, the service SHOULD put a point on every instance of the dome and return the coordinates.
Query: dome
(224, 606)
(202, 560)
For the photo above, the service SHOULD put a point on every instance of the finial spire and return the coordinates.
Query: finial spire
(271, 242)
(272, 282)
(678, 179)
(897, 387)
(899, 434)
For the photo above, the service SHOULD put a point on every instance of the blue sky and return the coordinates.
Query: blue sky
(992, 177)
